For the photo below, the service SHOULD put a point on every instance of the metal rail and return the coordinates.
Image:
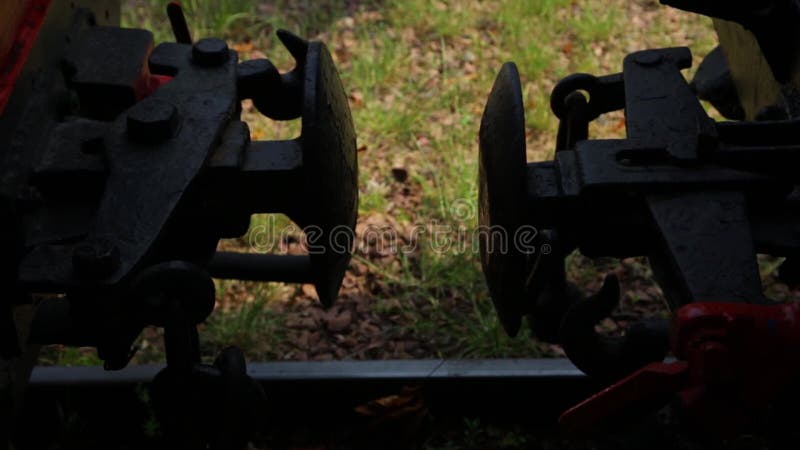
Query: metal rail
(297, 371)
(328, 391)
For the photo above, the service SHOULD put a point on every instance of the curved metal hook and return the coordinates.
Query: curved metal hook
(610, 358)
(550, 294)
(277, 96)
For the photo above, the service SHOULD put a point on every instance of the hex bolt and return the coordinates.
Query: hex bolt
(96, 259)
(210, 52)
(152, 120)
(647, 58)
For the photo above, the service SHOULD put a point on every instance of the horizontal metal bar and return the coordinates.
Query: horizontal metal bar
(326, 393)
(289, 371)
(261, 267)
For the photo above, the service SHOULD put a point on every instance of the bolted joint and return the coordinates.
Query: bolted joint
(152, 120)
(96, 259)
(210, 52)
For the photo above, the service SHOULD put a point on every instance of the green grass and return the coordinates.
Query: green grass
(233, 18)
(249, 325)
(68, 356)
(419, 72)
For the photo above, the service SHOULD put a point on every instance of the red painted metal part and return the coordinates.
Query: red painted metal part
(733, 359)
(12, 63)
(25, 37)
(148, 83)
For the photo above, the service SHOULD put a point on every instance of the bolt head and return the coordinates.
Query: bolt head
(210, 52)
(647, 58)
(96, 259)
(152, 120)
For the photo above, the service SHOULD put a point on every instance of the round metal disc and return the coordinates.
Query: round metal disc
(163, 285)
(331, 172)
(501, 197)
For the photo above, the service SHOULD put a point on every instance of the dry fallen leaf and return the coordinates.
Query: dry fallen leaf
(356, 98)
(309, 290)
(340, 321)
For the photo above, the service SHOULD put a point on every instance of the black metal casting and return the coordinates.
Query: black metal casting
(167, 176)
(126, 165)
(700, 199)
(713, 82)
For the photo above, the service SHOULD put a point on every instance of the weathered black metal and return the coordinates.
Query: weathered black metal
(605, 358)
(210, 52)
(209, 406)
(151, 121)
(177, 21)
(279, 101)
(698, 198)
(514, 273)
(125, 164)
(95, 259)
(502, 143)
(160, 164)
(713, 82)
